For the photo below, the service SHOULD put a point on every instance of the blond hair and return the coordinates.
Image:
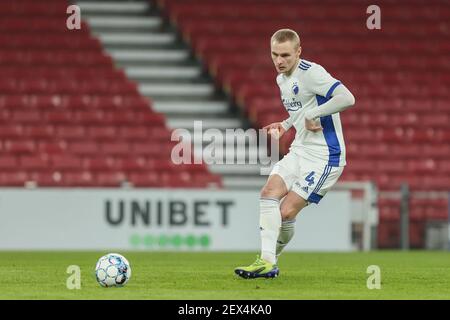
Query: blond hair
(284, 35)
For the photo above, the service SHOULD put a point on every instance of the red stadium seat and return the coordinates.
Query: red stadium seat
(34, 163)
(13, 179)
(130, 165)
(98, 163)
(104, 133)
(146, 179)
(66, 162)
(19, 146)
(84, 148)
(8, 163)
(115, 148)
(110, 179)
(79, 179)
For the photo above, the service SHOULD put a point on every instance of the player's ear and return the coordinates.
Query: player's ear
(299, 51)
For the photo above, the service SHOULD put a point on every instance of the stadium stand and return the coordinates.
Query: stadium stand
(399, 75)
(69, 117)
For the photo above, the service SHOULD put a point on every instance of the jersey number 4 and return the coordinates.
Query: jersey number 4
(310, 178)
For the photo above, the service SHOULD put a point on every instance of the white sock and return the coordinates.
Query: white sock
(270, 223)
(286, 233)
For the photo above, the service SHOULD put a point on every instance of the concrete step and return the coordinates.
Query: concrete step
(235, 169)
(131, 38)
(129, 55)
(240, 142)
(166, 72)
(191, 107)
(221, 124)
(230, 157)
(244, 183)
(236, 145)
(123, 23)
(113, 7)
(174, 91)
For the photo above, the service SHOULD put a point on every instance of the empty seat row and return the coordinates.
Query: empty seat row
(424, 166)
(393, 182)
(125, 117)
(40, 86)
(39, 131)
(388, 234)
(312, 10)
(26, 41)
(110, 179)
(38, 25)
(85, 58)
(85, 146)
(67, 71)
(364, 150)
(21, 9)
(49, 102)
(99, 161)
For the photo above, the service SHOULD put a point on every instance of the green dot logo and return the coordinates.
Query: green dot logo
(190, 240)
(204, 241)
(177, 241)
(135, 240)
(170, 241)
(148, 240)
(164, 240)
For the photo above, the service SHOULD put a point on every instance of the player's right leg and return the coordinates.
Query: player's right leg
(258, 269)
(270, 219)
(270, 222)
(276, 188)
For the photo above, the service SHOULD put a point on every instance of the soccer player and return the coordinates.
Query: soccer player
(316, 158)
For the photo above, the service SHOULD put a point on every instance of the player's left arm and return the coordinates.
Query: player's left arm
(340, 99)
(333, 95)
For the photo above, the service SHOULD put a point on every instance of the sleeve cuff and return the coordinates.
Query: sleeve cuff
(286, 126)
(310, 114)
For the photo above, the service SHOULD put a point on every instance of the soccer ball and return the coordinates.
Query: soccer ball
(112, 270)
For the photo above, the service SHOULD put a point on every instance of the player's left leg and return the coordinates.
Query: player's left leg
(314, 183)
(292, 204)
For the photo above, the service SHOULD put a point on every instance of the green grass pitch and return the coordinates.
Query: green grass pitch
(206, 276)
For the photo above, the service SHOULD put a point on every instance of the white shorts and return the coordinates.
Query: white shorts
(310, 180)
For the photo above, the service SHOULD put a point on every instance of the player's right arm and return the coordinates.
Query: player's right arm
(277, 129)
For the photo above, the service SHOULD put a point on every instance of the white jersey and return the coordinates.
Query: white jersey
(309, 86)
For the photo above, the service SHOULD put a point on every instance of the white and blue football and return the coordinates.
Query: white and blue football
(112, 270)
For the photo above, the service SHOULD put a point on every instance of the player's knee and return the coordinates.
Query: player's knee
(290, 209)
(288, 212)
(269, 191)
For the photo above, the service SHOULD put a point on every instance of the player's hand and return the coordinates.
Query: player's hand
(313, 125)
(275, 129)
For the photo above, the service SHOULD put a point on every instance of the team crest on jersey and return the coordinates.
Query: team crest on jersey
(295, 88)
